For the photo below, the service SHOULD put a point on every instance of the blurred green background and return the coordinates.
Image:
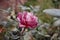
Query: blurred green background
(44, 4)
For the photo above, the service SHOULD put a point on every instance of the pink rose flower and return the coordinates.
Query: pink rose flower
(27, 20)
